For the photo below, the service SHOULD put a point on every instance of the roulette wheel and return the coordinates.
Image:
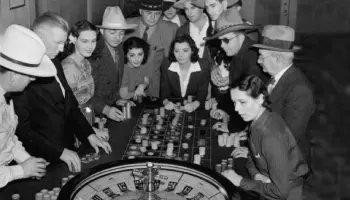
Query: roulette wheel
(146, 179)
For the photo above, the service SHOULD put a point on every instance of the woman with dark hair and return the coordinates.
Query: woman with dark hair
(275, 162)
(184, 75)
(136, 74)
(77, 69)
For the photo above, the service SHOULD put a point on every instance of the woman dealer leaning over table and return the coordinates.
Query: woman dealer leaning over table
(275, 162)
(184, 75)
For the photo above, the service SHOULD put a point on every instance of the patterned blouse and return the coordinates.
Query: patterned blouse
(79, 79)
(10, 147)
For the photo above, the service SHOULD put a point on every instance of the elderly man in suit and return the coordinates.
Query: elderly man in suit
(158, 33)
(48, 112)
(107, 63)
(290, 93)
(171, 13)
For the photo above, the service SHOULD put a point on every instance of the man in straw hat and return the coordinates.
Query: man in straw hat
(230, 30)
(171, 13)
(108, 63)
(49, 114)
(18, 67)
(159, 34)
(290, 92)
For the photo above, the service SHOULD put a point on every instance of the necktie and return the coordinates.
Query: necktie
(8, 97)
(145, 34)
(116, 56)
(270, 84)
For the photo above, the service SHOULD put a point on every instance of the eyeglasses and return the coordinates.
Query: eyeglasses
(226, 40)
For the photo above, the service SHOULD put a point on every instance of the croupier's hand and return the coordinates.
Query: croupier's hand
(96, 142)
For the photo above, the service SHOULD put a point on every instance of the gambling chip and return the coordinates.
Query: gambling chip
(84, 160)
(190, 126)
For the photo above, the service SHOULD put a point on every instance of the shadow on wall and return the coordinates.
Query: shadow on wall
(325, 60)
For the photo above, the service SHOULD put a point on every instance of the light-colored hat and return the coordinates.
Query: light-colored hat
(113, 18)
(230, 21)
(21, 50)
(278, 38)
(201, 3)
(181, 4)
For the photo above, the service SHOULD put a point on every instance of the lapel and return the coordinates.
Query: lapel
(192, 83)
(108, 62)
(279, 90)
(175, 81)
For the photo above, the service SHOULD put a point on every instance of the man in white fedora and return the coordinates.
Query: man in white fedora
(107, 63)
(171, 13)
(159, 34)
(22, 58)
(290, 92)
(48, 112)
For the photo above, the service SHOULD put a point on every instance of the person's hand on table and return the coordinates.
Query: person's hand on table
(102, 134)
(34, 167)
(96, 142)
(123, 102)
(240, 152)
(140, 91)
(232, 176)
(113, 113)
(190, 107)
(72, 159)
(168, 105)
(221, 126)
(262, 178)
(218, 114)
(238, 137)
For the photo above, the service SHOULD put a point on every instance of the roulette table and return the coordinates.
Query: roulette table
(122, 163)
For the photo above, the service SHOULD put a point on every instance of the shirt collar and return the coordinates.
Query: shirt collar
(261, 120)
(175, 20)
(175, 67)
(280, 74)
(2, 91)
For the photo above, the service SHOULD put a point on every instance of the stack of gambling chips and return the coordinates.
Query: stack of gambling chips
(226, 140)
(88, 158)
(225, 165)
(46, 194)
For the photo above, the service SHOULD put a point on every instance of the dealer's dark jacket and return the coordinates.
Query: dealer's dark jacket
(275, 154)
(47, 121)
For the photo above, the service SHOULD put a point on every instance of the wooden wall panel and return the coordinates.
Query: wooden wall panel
(22, 15)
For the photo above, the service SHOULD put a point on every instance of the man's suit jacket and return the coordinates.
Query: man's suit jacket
(107, 76)
(160, 42)
(292, 98)
(185, 29)
(47, 121)
(197, 85)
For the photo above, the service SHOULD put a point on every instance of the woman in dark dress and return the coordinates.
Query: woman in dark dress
(275, 162)
(184, 74)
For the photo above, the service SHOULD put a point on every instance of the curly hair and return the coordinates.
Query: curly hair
(254, 86)
(181, 39)
(77, 28)
(137, 43)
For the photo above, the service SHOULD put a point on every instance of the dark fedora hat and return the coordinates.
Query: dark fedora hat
(278, 38)
(168, 4)
(230, 21)
(156, 5)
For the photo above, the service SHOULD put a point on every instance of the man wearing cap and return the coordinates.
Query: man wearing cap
(18, 67)
(290, 92)
(170, 13)
(107, 63)
(48, 112)
(196, 27)
(158, 33)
